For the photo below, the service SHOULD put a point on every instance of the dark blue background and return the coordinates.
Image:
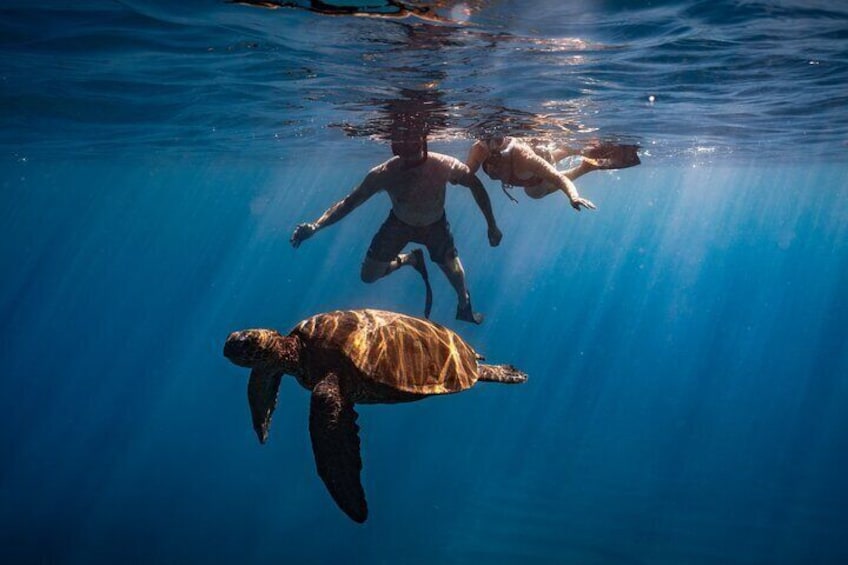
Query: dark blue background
(686, 345)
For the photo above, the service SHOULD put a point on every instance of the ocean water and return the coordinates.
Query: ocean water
(687, 342)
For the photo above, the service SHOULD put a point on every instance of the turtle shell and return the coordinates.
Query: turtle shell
(406, 353)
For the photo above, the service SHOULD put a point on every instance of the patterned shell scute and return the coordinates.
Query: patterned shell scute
(406, 353)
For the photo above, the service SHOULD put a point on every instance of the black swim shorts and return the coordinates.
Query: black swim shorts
(394, 234)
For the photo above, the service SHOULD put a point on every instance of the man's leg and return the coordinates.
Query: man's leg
(439, 241)
(384, 256)
(373, 269)
(452, 268)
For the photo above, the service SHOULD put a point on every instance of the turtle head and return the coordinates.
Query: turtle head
(263, 349)
(269, 355)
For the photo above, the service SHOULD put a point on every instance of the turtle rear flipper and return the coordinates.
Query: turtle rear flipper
(262, 390)
(502, 374)
(335, 444)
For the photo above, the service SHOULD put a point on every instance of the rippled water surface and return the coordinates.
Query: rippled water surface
(686, 342)
(754, 80)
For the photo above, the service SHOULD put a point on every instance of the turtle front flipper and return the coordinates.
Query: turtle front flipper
(335, 443)
(262, 390)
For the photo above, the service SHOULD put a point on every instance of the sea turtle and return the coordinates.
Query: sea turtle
(348, 357)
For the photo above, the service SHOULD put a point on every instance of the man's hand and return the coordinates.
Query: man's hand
(495, 236)
(301, 233)
(586, 203)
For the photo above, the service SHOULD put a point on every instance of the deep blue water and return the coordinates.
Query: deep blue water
(686, 342)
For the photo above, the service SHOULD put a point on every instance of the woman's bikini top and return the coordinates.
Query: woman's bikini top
(499, 166)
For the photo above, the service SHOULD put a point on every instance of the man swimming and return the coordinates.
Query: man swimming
(416, 182)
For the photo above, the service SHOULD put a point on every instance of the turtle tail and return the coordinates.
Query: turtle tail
(506, 374)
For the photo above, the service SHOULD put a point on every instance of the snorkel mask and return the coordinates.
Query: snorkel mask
(410, 148)
(495, 143)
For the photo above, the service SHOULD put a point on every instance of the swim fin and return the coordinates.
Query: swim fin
(421, 267)
(466, 314)
(612, 156)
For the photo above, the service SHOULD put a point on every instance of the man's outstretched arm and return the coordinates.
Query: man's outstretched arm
(366, 189)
